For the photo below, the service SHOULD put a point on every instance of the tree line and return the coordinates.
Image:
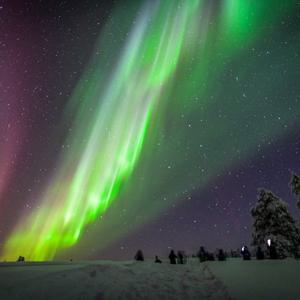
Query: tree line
(275, 235)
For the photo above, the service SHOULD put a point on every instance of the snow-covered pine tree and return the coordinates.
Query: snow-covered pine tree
(295, 186)
(273, 221)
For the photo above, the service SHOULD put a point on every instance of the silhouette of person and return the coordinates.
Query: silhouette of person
(246, 253)
(139, 256)
(210, 256)
(221, 255)
(172, 257)
(202, 254)
(259, 254)
(157, 260)
(180, 257)
(273, 251)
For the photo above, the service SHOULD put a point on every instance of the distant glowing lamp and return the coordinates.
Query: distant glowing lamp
(269, 242)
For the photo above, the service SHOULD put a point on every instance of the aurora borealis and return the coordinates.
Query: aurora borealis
(164, 98)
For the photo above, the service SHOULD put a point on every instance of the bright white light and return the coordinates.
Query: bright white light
(269, 242)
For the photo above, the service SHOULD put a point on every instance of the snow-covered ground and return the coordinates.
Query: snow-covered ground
(233, 279)
(255, 280)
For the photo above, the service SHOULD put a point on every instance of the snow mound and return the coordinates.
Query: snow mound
(109, 280)
(106, 280)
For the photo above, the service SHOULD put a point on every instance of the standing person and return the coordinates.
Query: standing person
(172, 257)
(221, 255)
(139, 256)
(210, 256)
(272, 251)
(202, 254)
(180, 257)
(246, 253)
(259, 253)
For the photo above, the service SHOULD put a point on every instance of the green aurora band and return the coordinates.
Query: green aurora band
(120, 112)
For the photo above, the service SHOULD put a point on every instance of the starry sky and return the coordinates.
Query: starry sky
(192, 105)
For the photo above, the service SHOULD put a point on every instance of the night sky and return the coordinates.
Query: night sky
(208, 119)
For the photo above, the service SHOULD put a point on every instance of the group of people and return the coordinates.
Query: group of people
(203, 255)
(270, 252)
(180, 258)
(221, 255)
